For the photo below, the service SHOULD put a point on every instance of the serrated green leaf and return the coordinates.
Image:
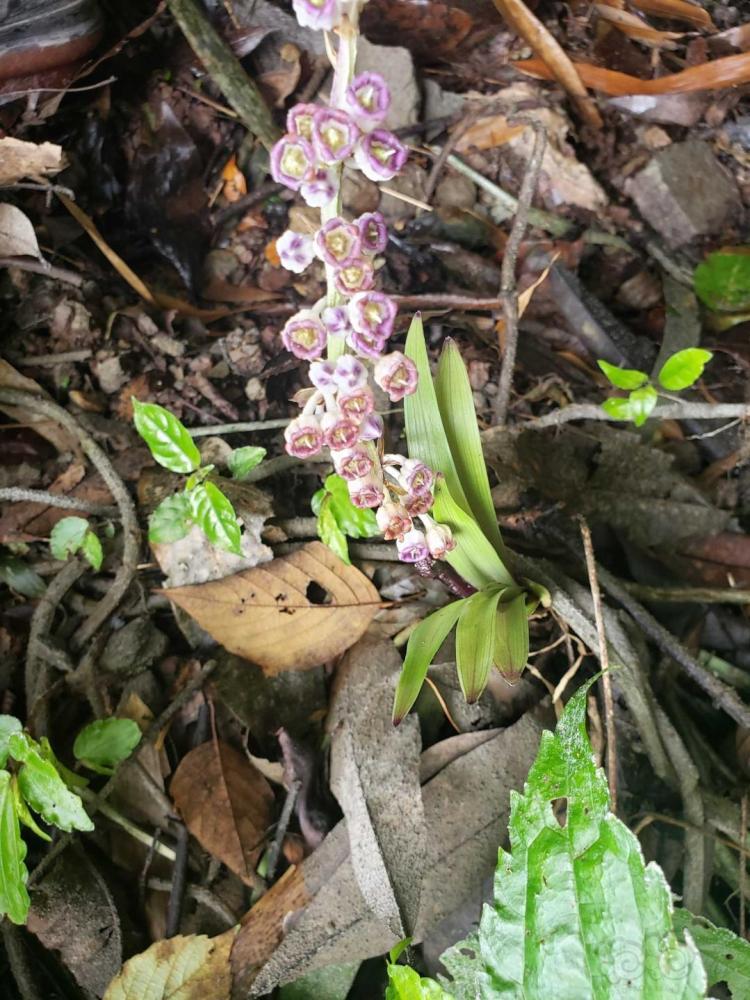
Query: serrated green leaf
(623, 378)
(103, 744)
(684, 368)
(48, 795)
(9, 724)
(24, 813)
(14, 898)
(423, 644)
(474, 557)
(511, 647)
(636, 407)
(71, 779)
(215, 516)
(21, 579)
(329, 531)
(171, 520)
(406, 984)
(66, 537)
(168, 440)
(726, 957)
(722, 280)
(242, 460)
(357, 522)
(475, 641)
(91, 550)
(20, 745)
(456, 404)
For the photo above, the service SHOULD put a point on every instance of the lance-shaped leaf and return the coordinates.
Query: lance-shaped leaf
(475, 641)
(14, 899)
(623, 378)
(456, 404)
(9, 724)
(168, 440)
(511, 650)
(473, 558)
(215, 516)
(424, 643)
(46, 792)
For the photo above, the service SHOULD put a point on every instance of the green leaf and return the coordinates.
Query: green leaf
(684, 368)
(168, 440)
(722, 280)
(406, 984)
(67, 536)
(24, 813)
(21, 579)
(511, 648)
(14, 899)
(456, 404)
(47, 794)
(171, 520)
(329, 531)
(398, 949)
(242, 460)
(636, 407)
(71, 779)
(215, 516)
(623, 378)
(474, 557)
(726, 957)
(91, 549)
(424, 642)
(9, 724)
(357, 522)
(475, 641)
(104, 743)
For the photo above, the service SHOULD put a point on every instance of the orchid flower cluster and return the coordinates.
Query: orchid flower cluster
(345, 335)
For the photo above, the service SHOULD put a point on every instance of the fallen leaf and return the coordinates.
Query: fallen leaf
(291, 614)
(61, 438)
(17, 236)
(19, 159)
(226, 804)
(235, 185)
(193, 967)
(375, 777)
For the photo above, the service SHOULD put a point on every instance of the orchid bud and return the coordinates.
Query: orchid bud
(303, 437)
(323, 374)
(353, 463)
(299, 120)
(367, 99)
(393, 520)
(320, 15)
(292, 159)
(372, 232)
(439, 538)
(350, 373)
(366, 343)
(319, 188)
(372, 428)
(357, 404)
(397, 375)
(339, 431)
(304, 335)
(380, 155)
(418, 478)
(295, 251)
(412, 547)
(359, 276)
(334, 135)
(337, 243)
(367, 491)
(373, 312)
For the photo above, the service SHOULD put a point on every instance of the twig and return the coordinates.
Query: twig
(609, 704)
(743, 862)
(665, 411)
(177, 888)
(17, 494)
(442, 702)
(687, 595)
(131, 534)
(282, 826)
(450, 144)
(441, 300)
(508, 273)
(201, 895)
(654, 817)
(226, 70)
(43, 360)
(247, 201)
(239, 428)
(42, 267)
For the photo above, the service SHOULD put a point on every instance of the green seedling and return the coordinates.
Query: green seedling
(338, 517)
(74, 534)
(679, 372)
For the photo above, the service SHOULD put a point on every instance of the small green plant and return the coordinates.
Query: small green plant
(338, 517)
(201, 501)
(679, 372)
(577, 913)
(75, 534)
(32, 780)
(20, 577)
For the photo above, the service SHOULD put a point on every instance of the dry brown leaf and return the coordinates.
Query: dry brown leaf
(717, 75)
(552, 54)
(19, 159)
(61, 438)
(634, 27)
(677, 10)
(17, 236)
(270, 614)
(226, 804)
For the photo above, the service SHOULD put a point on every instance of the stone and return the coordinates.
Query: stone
(396, 66)
(664, 109)
(684, 192)
(410, 182)
(439, 103)
(455, 191)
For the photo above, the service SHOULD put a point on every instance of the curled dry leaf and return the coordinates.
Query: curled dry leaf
(290, 614)
(17, 236)
(226, 804)
(19, 159)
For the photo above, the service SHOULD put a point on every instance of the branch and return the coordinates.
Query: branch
(16, 494)
(666, 411)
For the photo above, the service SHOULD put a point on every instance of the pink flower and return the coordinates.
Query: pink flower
(380, 155)
(295, 251)
(397, 375)
(393, 520)
(299, 120)
(366, 344)
(372, 428)
(418, 478)
(372, 231)
(367, 491)
(292, 159)
(350, 373)
(339, 431)
(353, 463)
(439, 538)
(321, 15)
(304, 335)
(303, 437)
(337, 243)
(359, 276)
(372, 312)
(318, 188)
(334, 135)
(412, 547)
(323, 374)
(367, 99)
(336, 321)
(357, 404)
(417, 503)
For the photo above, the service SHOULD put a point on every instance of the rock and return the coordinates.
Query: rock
(133, 648)
(685, 192)
(455, 191)
(664, 109)
(396, 66)
(439, 103)
(358, 193)
(110, 374)
(411, 182)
